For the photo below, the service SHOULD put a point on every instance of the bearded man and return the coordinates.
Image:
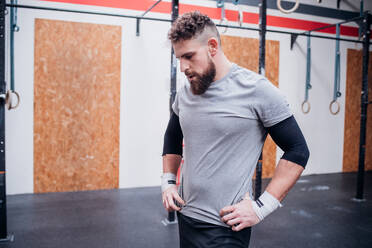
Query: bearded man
(223, 116)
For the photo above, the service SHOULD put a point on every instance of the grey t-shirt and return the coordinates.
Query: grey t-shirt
(223, 136)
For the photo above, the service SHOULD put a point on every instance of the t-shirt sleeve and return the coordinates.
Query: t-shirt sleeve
(175, 104)
(271, 104)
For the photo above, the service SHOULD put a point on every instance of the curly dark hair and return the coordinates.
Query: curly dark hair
(190, 25)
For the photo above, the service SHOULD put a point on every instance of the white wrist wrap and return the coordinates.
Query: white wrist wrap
(265, 205)
(167, 180)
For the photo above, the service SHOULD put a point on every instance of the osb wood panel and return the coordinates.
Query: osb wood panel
(76, 106)
(352, 113)
(244, 52)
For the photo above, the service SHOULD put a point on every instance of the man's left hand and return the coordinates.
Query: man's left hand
(240, 215)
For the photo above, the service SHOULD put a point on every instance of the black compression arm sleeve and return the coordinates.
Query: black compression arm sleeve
(288, 136)
(173, 137)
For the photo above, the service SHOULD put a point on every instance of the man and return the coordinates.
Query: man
(224, 114)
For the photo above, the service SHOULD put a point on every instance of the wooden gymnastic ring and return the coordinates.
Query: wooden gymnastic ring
(287, 11)
(9, 99)
(18, 100)
(303, 105)
(338, 107)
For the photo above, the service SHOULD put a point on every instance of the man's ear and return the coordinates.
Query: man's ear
(213, 46)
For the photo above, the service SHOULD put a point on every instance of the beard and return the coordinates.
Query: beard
(201, 82)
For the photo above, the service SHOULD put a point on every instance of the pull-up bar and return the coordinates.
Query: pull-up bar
(357, 19)
(169, 20)
(84, 12)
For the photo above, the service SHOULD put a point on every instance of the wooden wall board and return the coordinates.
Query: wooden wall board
(77, 69)
(352, 113)
(245, 52)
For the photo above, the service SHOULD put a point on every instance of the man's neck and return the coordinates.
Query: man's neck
(222, 68)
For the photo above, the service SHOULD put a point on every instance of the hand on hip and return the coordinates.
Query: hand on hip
(240, 215)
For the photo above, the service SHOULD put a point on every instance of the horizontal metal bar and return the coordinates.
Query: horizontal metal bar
(293, 33)
(317, 36)
(308, 9)
(168, 20)
(339, 23)
(86, 12)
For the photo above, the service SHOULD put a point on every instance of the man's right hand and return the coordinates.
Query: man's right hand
(170, 196)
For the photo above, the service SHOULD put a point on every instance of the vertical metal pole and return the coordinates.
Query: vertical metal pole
(173, 88)
(138, 26)
(361, 9)
(3, 219)
(262, 39)
(364, 104)
(258, 182)
(261, 70)
(11, 36)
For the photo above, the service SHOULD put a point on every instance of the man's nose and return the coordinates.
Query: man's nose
(183, 65)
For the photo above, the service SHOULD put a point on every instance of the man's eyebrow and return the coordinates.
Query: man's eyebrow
(186, 54)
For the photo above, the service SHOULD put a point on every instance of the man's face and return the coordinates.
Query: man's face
(196, 63)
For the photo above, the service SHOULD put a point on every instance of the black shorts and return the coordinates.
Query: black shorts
(198, 234)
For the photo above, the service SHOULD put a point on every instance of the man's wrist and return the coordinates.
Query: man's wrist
(168, 180)
(265, 205)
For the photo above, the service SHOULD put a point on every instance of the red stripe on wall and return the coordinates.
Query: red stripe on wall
(350, 31)
(163, 7)
(285, 22)
(126, 4)
(215, 13)
(211, 12)
(251, 18)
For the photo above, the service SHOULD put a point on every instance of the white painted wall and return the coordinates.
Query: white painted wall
(145, 94)
(144, 98)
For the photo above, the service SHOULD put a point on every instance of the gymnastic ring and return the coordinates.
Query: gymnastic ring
(287, 11)
(303, 107)
(338, 107)
(222, 21)
(18, 100)
(8, 99)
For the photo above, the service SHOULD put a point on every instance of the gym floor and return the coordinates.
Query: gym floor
(318, 212)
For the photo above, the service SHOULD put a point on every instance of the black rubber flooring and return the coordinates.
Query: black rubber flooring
(318, 212)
